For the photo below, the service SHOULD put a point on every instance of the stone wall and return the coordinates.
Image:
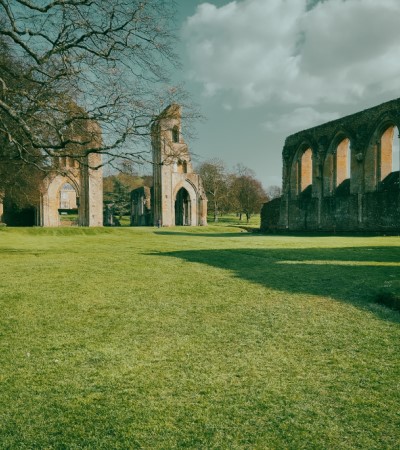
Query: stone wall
(270, 215)
(85, 174)
(353, 185)
(82, 172)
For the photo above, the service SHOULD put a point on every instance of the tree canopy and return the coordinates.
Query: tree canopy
(236, 191)
(64, 62)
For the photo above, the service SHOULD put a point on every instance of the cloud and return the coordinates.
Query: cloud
(299, 119)
(295, 52)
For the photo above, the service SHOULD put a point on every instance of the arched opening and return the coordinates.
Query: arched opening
(301, 168)
(182, 208)
(343, 162)
(305, 170)
(388, 158)
(337, 168)
(396, 150)
(68, 205)
(175, 134)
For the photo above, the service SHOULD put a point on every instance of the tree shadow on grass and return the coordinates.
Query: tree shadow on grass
(353, 275)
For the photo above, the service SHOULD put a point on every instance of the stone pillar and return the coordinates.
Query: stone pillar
(318, 181)
(286, 189)
(359, 177)
(95, 191)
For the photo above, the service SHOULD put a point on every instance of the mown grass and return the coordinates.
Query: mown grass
(232, 220)
(197, 338)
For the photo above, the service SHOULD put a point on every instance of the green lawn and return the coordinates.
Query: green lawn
(226, 220)
(201, 338)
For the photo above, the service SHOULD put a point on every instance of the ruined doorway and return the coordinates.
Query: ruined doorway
(182, 207)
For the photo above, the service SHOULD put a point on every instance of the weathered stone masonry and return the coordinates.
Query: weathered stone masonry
(74, 184)
(177, 196)
(340, 176)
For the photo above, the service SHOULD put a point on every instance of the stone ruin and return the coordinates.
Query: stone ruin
(177, 196)
(341, 176)
(75, 184)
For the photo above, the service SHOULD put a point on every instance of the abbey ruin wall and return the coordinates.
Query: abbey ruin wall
(342, 175)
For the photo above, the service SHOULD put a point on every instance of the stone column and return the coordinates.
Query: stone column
(319, 181)
(357, 182)
(284, 207)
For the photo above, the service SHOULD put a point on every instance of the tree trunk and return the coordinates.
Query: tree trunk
(215, 212)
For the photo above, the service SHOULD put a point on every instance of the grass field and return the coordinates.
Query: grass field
(200, 338)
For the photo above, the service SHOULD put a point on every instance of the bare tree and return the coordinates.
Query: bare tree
(215, 181)
(109, 57)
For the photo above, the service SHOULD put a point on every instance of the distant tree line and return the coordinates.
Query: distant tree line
(233, 191)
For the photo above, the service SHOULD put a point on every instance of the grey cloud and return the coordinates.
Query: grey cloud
(295, 52)
(299, 119)
(339, 35)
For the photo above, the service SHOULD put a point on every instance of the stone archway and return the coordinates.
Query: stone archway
(337, 164)
(382, 155)
(183, 207)
(301, 172)
(51, 201)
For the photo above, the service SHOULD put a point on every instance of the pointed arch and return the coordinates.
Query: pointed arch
(50, 198)
(389, 152)
(337, 166)
(306, 169)
(382, 155)
(189, 205)
(183, 207)
(302, 169)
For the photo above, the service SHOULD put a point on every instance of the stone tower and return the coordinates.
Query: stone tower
(178, 195)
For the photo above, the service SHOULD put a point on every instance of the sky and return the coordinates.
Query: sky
(261, 70)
